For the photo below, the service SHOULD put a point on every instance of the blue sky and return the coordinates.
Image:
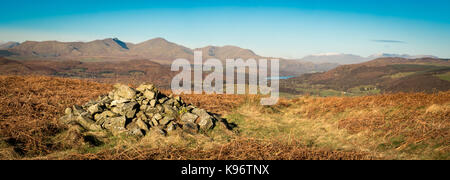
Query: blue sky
(290, 29)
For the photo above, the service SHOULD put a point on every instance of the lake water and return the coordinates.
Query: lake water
(280, 77)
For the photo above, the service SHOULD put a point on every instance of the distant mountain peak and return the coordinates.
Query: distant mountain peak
(159, 39)
(8, 45)
(406, 56)
(339, 58)
(120, 43)
(328, 54)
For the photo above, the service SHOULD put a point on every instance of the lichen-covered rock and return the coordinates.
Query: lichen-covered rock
(144, 87)
(137, 112)
(87, 123)
(190, 128)
(77, 110)
(142, 125)
(166, 120)
(123, 92)
(149, 94)
(115, 124)
(68, 111)
(129, 109)
(94, 109)
(189, 117)
(205, 120)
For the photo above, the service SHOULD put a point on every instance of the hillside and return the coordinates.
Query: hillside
(154, 49)
(160, 49)
(227, 52)
(8, 45)
(380, 75)
(341, 58)
(130, 72)
(338, 58)
(157, 50)
(389, 126)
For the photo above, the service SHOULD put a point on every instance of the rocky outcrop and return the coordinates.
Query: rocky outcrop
(138, 111)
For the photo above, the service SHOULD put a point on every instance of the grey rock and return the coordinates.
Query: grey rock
(149, 94)
(157, 116)
(119, 102)
(98, 117)
(153, 103)
(151, 110)
(103, 115)
(162, 100)
(129, 109)
(134, 129)
(190, 108)
(159, 131)
(155, 122)
(189, 117)
(172, 126)
(136, 132)
(68, 111)
(145, 102)
(123, 91)
(87, 123)
(159, 108)
(67, 119)
(169, 110)
(144, 87)
(108, 114)
(94, 109)
(116, 110)
(166, 120)
(142, 125)
(169, 102)
(206, 121)
(115, 124)
(145, 107)
(77, 110)
(190, 128)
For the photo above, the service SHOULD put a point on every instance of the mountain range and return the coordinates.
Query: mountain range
(162, 51)
(8, 45)
(342, 58)
(157, 49)
(111, 59)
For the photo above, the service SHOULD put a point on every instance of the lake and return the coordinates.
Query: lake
(280, 77)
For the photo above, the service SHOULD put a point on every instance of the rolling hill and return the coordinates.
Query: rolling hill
(130, 72)
(8, 45)
(226, 52)
(338, 58)
(154, 49)
(68, 50)
(157, 50)
(380, 75)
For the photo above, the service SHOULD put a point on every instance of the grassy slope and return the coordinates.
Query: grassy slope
(400, 75)
(393, 126)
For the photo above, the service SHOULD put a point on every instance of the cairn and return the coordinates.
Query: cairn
(138, 111)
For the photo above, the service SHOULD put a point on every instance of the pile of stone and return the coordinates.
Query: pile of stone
(139, 111)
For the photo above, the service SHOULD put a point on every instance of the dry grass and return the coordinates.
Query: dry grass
(30, 107)
(391, 126)
(245, 149)
(400, 125)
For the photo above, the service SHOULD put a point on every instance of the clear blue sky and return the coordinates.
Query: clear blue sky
(289, 29)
